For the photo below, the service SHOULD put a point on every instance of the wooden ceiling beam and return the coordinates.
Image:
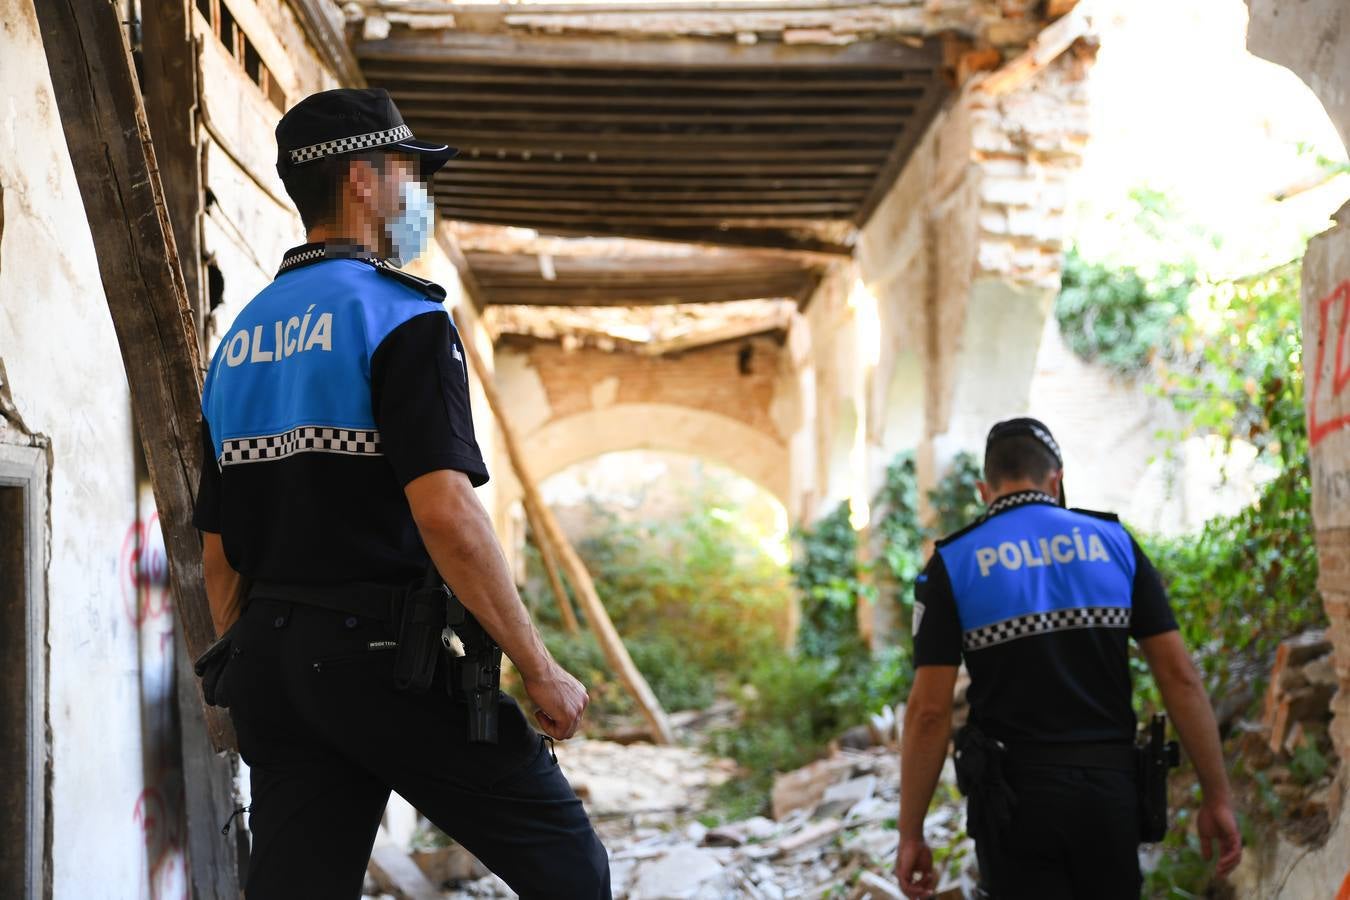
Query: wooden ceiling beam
(904, 146)
(604, 208)
(801, 120)
(645, 167)
(796, 242)
(621, 94)
(701, 264)
(536, 81)
(549, 141)
(677, 195)
(602, 216)
(734, 184)
(461, 47)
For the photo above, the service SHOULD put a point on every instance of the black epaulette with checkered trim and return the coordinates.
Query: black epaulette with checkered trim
(429, 289)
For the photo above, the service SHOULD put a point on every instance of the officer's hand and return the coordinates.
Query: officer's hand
(559, 700)
(1217, 823)
(914, 869)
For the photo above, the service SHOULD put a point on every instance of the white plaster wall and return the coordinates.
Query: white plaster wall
(57, 343)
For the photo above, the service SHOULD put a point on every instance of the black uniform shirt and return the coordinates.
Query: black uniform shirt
(336, 386)
(1040, 602)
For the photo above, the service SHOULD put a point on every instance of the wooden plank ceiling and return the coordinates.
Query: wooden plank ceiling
(521, 279)
(697, 140)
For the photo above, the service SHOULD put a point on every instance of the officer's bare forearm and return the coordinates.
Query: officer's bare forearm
(1187, 703)
(458, 534)
(923, 744)
(923, 749)
(224, 586)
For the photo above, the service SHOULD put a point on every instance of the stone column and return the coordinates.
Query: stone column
(1326, 318)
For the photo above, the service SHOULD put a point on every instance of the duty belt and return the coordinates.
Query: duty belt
(374, 601)
(1088, 756)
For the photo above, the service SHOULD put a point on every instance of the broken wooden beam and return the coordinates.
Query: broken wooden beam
(108, 137)
(1047, 47)
(596, 616)
(548, 556)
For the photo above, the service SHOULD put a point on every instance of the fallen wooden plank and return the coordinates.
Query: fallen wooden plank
(815, 833)
(872, 886)
(596, 616)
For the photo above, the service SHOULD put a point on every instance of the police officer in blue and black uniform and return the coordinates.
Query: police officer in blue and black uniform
(337, 490)
(1040, 603)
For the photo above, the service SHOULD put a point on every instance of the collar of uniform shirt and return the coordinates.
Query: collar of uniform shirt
(317, 252)
(1020, 498)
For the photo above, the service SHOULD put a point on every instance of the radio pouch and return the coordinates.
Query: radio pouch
(419, 638)
(1157, 756)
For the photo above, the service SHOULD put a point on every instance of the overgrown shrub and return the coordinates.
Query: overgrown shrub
(1118, 317)
(697, 600)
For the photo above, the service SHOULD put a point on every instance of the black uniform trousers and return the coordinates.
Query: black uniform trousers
(326, 738)
(1074, 835)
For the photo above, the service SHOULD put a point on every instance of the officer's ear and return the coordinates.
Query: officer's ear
(986, 492)
(363, 179)
(1057, 484)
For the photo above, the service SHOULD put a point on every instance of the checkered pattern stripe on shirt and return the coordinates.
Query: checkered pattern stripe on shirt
(1044, 622)
(351, 144)
(1022, 498)
(306, 439)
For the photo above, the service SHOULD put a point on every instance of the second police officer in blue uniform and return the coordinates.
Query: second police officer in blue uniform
(1040, 603)
(339, 463)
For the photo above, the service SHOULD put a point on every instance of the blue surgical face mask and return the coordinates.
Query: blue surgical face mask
(409, 232)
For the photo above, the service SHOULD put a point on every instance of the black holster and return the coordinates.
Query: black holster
(422, 621)
(476, 676)
(472, 677)
(981, 776)
(1156, 757)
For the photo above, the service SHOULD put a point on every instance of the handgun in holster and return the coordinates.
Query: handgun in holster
(1156, 757)
(475, 676)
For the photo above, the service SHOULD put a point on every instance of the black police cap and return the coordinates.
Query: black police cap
(1026, 427)
(1036, 430)
(350, 120)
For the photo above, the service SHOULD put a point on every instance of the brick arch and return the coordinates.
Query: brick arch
(565, 441)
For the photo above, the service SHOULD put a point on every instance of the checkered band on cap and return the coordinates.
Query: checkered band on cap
(1045, 622)
(351, 144)
(1050, 444)
(306, 439)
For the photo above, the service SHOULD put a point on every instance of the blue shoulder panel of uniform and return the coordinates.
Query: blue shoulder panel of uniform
(298, 355)
(1038, 559)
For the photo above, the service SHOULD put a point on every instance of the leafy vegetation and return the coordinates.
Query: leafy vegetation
(1119, 317)
(796, 704)
(697, 598)
(1227, 354)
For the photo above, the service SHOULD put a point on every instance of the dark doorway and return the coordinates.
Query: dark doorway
(23, 693)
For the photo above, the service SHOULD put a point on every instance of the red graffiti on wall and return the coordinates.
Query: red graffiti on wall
(160, 820)
(1338, 302)
(143, 571)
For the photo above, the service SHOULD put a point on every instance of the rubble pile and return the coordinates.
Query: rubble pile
(832, 831)
(1290, 746)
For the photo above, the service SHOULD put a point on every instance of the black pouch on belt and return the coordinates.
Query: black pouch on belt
(1156, 756)
(210, 668)
(419, 638)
